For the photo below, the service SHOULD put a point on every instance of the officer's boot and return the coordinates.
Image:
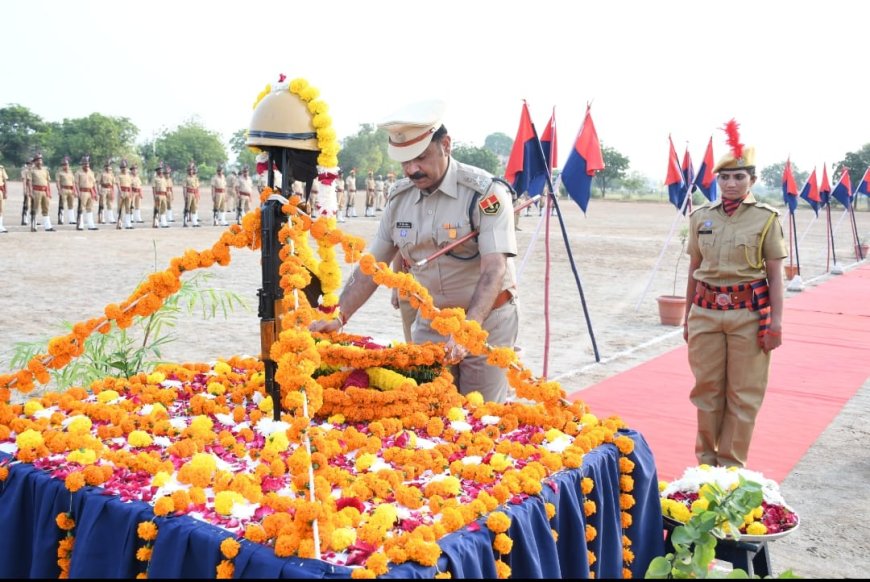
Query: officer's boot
(156, 224)
(90, 218)
(71, 216)
(46, 224)
(2, 228)
(33, 222)
(80, 224)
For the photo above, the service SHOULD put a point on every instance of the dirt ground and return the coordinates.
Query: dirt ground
(622, 264)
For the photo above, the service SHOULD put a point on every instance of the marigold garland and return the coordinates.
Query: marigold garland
(66, 523)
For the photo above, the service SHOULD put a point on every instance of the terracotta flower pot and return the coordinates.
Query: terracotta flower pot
(790, 272)
(672, 309)
(865, 248)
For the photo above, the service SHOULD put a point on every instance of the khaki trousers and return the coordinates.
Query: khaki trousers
(473, 374)
(731, 372)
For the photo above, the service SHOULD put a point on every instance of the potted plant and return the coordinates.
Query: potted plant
(672, 308)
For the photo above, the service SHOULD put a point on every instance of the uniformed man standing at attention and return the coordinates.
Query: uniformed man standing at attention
(86, 193)
(4, 195)
(379, 193)
(27, 202)
(219, 197)
(125, 197)
(191, 196)
(232, 200)
(245, 189)
(370, 194)
(136, 187)
(350, 186)
(66, 193)
(40, 180)
(170, 192)
(438, 202)
(340, 197)
(106, 181)
(734, 303)
(158, 188)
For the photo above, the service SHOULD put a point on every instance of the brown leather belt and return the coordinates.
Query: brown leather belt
(723, 299)
(218, 190)
(106, 185)
(69, 188)
(40, 188)
(125, 189)
(501, 299)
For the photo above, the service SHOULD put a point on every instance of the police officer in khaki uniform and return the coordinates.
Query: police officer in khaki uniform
(350, 187)
(4, 195)
(735, 302)
(438, 202)
(106, 187)
(170, 192)
(86, 193)
(219, 197)
(27, 201)
(158, 189)
(136, 187)
(370, 194)
(66, 193)
(380, 199)
(340, 197)
(232, 201)
(245, 189)
(124, 182)
(40, 180)
(191, 197)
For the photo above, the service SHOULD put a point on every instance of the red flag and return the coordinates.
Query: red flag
(548, 142)
(674, 179)
(789, 188)
(864, 186)
(584, 160)
(526, 168)
(825, 187)
(810, 192)
(706, 180)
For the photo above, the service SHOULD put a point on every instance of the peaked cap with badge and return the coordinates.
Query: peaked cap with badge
(739, 156)
(411, 128)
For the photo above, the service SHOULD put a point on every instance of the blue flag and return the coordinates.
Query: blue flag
(526, 168)
(584, 160)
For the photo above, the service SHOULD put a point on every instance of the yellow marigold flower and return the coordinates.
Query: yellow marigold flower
(341, 538)
(444, 575)
(699, 505)
(586, 485)
(756, 528)
(624, 444)
(589, 507)
(336, 419)
(224, 501)
(474, 398)
(362, 574)
(502, 544)
(456, 413)
(550, 509)
(107, 396)
(32, 406)
(160, 479)
(82, 456)
(164, 506)
(139, 438)
(663, 485)
(277, 441)
(377, 563)
(230, 548)
(265, 404)
(156, 377)
(365, 461)
(216, 388)
(147, 530)
(222, 368)
(502, 570)
(500, 462)
(589, 420)
(498, 521)
(29, 439)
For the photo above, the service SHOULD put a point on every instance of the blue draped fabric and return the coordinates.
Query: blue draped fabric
(107, 540)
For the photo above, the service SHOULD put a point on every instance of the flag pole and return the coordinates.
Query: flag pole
(655, 268)
(546, 363)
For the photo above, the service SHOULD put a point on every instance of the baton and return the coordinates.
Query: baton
(470, 235)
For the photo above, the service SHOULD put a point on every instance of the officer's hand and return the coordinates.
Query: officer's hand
(394, 299)
(770, 342)
(325, 326)
(454, 352)
(686, 332)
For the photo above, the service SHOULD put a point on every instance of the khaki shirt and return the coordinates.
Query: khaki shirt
(25, 175)
(191, 183)
(136, 183)
(40, 176)
(379, 185)
(65, 180)
(86, 181)
(245, 185)
(370, 184)
(727, 244)
(107, 181)
(125, 182)
(350, 183)
(418, 224)
(232, 182)
(3, 176)
(219, 182)
(158, 185)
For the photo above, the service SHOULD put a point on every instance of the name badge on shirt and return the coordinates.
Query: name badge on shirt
(404, 225)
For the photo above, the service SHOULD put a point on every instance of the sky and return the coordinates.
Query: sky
(791, 73)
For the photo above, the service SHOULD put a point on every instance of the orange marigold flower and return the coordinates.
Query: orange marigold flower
(147, 530)
(65, 521)
(230, 548)
(498, 521)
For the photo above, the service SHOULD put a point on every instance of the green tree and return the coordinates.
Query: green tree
(476, 156)
(499, 143)
(367, 150)
(858, 162)
(191, 142)
(239, 147)
(103, 138)
(771, 176)
(615, 166)
(22, 132)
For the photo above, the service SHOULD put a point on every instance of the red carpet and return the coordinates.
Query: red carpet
(824, 360)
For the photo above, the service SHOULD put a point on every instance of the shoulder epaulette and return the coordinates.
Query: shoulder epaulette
(767, 206)
(474, 178)
(705, 206)
(403, 185)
